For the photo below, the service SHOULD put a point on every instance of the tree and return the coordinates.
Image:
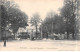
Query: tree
(12, 17)
(53, 23)
(49, 21)
(59, 25)
(77, 4)
(19, 19)
(35, 20)
(68, 12)
(3, 18)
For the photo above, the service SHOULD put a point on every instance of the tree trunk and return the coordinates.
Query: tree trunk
(47, 35)
(0, 34)
(67, 35)
(41, 33)
(73, 36)
(36, 31)
(14, 35)
(0, 27)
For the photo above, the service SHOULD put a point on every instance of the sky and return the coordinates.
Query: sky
(42, 7)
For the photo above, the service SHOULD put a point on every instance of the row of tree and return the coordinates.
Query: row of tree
(65, 22)
(11, 17)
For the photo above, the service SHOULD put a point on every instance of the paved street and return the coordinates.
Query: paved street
(55, 45)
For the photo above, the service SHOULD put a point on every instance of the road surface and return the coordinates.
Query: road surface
(54, 45)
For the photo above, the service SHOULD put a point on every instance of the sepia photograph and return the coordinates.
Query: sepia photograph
(39, 25)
